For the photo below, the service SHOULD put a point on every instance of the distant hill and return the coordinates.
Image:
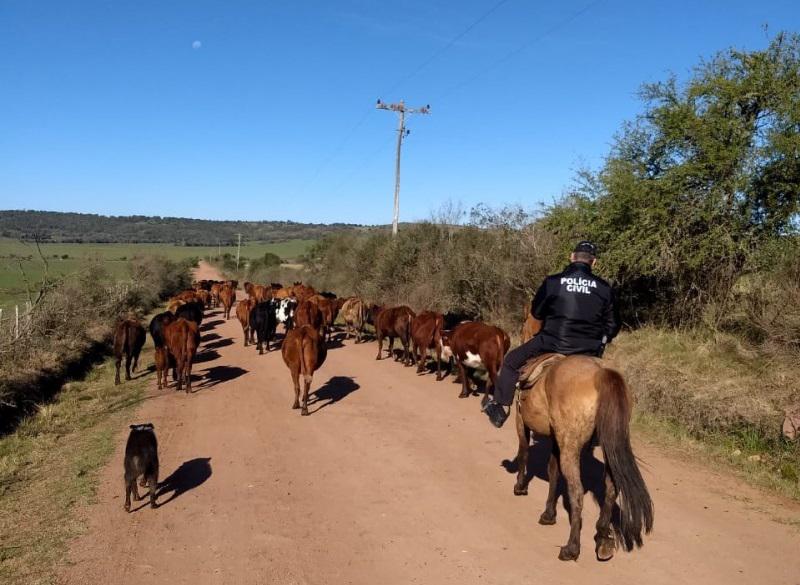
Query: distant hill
(54, 226)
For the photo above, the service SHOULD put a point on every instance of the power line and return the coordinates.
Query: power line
(518, 50)
(430, 59)
(439, 52)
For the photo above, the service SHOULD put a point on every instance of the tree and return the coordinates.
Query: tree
(697, 184)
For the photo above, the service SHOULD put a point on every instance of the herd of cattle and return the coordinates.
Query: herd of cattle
(308, 318)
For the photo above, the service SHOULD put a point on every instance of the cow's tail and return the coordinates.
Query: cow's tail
(613, 433)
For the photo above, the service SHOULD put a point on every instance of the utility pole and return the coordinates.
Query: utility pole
(401, 110)
(238, 250)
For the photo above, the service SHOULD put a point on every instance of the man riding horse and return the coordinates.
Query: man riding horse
(578, 316)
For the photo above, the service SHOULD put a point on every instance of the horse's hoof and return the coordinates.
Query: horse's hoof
(520, 491)
(569, 553)
(606, 547)
(546, 519)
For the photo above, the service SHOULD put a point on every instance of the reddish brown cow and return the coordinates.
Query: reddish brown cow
(304, 352)
(395, 322)
(327, 307)
(479, 346)
(302, 292)
(182, 338)
(216, 288)
(129, 338)
(226, 296)
(531, 326)
(308, 313)
(243, 309)
(426, 334)
(186, 295)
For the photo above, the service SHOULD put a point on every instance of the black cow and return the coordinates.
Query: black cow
(192, 311)
(264, 321)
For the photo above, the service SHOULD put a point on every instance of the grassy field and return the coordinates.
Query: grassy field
(67, 258)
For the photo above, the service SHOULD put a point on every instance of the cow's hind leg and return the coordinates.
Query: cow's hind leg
(128, 359)
(604, 539)
(128, 490)
(524, 436)
(380, 346)
(391, 348)
(296, 382)
(571, 468)
(306, 388)
(119, 365)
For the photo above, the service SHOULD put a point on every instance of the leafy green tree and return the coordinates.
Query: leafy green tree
(697, 184)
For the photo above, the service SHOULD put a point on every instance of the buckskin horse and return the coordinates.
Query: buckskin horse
(571, 399)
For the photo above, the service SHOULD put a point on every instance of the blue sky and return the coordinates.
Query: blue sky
(107, 107)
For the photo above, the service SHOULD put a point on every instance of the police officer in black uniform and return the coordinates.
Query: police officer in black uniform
(579, 317)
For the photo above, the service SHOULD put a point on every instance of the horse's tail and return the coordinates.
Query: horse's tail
(613, 419)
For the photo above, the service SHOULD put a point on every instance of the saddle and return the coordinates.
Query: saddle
(534, 369)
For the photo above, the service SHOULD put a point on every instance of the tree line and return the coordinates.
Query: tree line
(52, 226)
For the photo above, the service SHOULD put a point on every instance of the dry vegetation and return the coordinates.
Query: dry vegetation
(70, 326)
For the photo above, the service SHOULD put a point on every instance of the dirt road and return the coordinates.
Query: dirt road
(391, 479)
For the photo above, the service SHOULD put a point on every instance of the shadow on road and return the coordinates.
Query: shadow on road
(592, 472)
(218, 374)
(219, 343)
(211, 324)
(332, 391)
(189, 475)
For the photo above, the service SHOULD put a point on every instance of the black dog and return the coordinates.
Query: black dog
(141, 459)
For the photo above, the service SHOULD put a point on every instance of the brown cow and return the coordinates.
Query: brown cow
(304, 352)
(327, 307)
(354, 315)
(530, 327)
(302, 292)
(281, 293)
(308, 313)
(204, 297)
(261, 293)
(226, 296)
(129, 338)
(243, 309)
(182, 338)
(248, 288)
(187, 295)
(395, 322)
(476, 345)
(426, 334)
(215, 290)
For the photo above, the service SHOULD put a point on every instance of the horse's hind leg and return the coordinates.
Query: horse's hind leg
(524, 435)
(548, 517)
(571, 468)
(604, 539)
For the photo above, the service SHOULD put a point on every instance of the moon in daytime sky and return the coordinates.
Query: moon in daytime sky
(196, 45)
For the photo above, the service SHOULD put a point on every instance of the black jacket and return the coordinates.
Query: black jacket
(578, 311)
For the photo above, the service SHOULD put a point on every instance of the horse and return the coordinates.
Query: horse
(574, 399)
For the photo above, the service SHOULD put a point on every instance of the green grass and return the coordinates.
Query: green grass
(49, 467)
(115, 256)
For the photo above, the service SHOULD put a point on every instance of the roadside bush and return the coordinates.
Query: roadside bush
(489, 268)
(71, 324)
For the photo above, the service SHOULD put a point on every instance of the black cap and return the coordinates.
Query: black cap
(586, 247)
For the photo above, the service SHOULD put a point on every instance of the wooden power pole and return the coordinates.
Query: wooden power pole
(238, 250)
(401, 110)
